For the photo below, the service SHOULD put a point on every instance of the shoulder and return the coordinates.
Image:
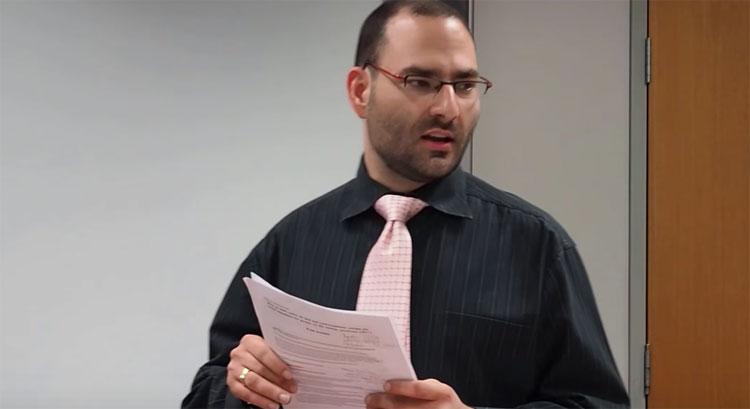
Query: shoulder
(292, 230)
(487, 198)
(322, 208)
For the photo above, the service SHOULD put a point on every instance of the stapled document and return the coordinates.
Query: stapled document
(337, 357)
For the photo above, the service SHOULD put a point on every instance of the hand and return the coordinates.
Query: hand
(426, 394)
(269, 381)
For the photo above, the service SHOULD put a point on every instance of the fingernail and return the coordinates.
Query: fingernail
(387, 386)
(284, 398)
(286, 374)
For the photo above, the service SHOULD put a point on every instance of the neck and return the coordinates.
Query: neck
(381, 173)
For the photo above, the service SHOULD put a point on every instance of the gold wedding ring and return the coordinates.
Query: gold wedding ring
(244, 373)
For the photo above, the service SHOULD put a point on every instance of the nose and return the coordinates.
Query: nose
(445, 104)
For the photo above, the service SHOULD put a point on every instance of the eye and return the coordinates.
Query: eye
(419, 83)
(465, 87)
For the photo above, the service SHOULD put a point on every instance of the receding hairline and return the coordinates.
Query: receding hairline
(436, 9)
(384, 40)
(418, 69)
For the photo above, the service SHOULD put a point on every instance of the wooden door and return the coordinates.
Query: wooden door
(698, 212)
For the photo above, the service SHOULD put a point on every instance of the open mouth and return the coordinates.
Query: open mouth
(438, 138)
(438, 143)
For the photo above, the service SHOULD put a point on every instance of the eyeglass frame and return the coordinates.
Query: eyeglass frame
(437, 89)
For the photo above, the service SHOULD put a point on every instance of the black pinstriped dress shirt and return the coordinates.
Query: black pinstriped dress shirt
(501, 306)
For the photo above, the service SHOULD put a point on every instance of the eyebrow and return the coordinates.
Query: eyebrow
(426, 72)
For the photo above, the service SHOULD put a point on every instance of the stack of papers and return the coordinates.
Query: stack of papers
(337, 357)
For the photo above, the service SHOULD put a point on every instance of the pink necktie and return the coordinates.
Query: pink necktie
(386, 279)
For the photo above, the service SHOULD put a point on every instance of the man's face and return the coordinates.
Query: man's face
(421, 138)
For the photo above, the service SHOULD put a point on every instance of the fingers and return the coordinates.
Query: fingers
(243, 359)
(400, 394)
(428, 389)
(258, 347)
(429, 393)
(262, 385)
(383, 401)
(252, 398)
(263, 353)
(263, 392)
(255, 354)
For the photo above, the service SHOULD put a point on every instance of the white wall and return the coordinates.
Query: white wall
(138, 140)
(146, 147)
(554, 129)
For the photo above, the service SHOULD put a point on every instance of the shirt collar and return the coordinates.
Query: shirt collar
(447, 195)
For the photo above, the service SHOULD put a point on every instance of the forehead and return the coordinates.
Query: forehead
(441, 44)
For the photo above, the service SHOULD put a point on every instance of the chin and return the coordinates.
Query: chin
(437, 169)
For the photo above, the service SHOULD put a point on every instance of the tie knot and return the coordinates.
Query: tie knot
(398, 208)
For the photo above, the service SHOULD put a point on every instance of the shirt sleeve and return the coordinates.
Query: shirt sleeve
(576, 366)
(234, 319)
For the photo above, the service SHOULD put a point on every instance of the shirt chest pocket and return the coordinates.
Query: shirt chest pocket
(483, 348)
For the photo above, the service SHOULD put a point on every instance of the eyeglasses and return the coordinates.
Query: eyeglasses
(422, 86)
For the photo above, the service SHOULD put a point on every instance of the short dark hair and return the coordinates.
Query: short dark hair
(372, 33)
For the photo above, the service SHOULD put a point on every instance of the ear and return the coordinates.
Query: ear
(358, 90)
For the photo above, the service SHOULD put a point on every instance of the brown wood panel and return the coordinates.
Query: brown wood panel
(699, 204)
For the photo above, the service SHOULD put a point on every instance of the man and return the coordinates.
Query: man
(501, 313)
